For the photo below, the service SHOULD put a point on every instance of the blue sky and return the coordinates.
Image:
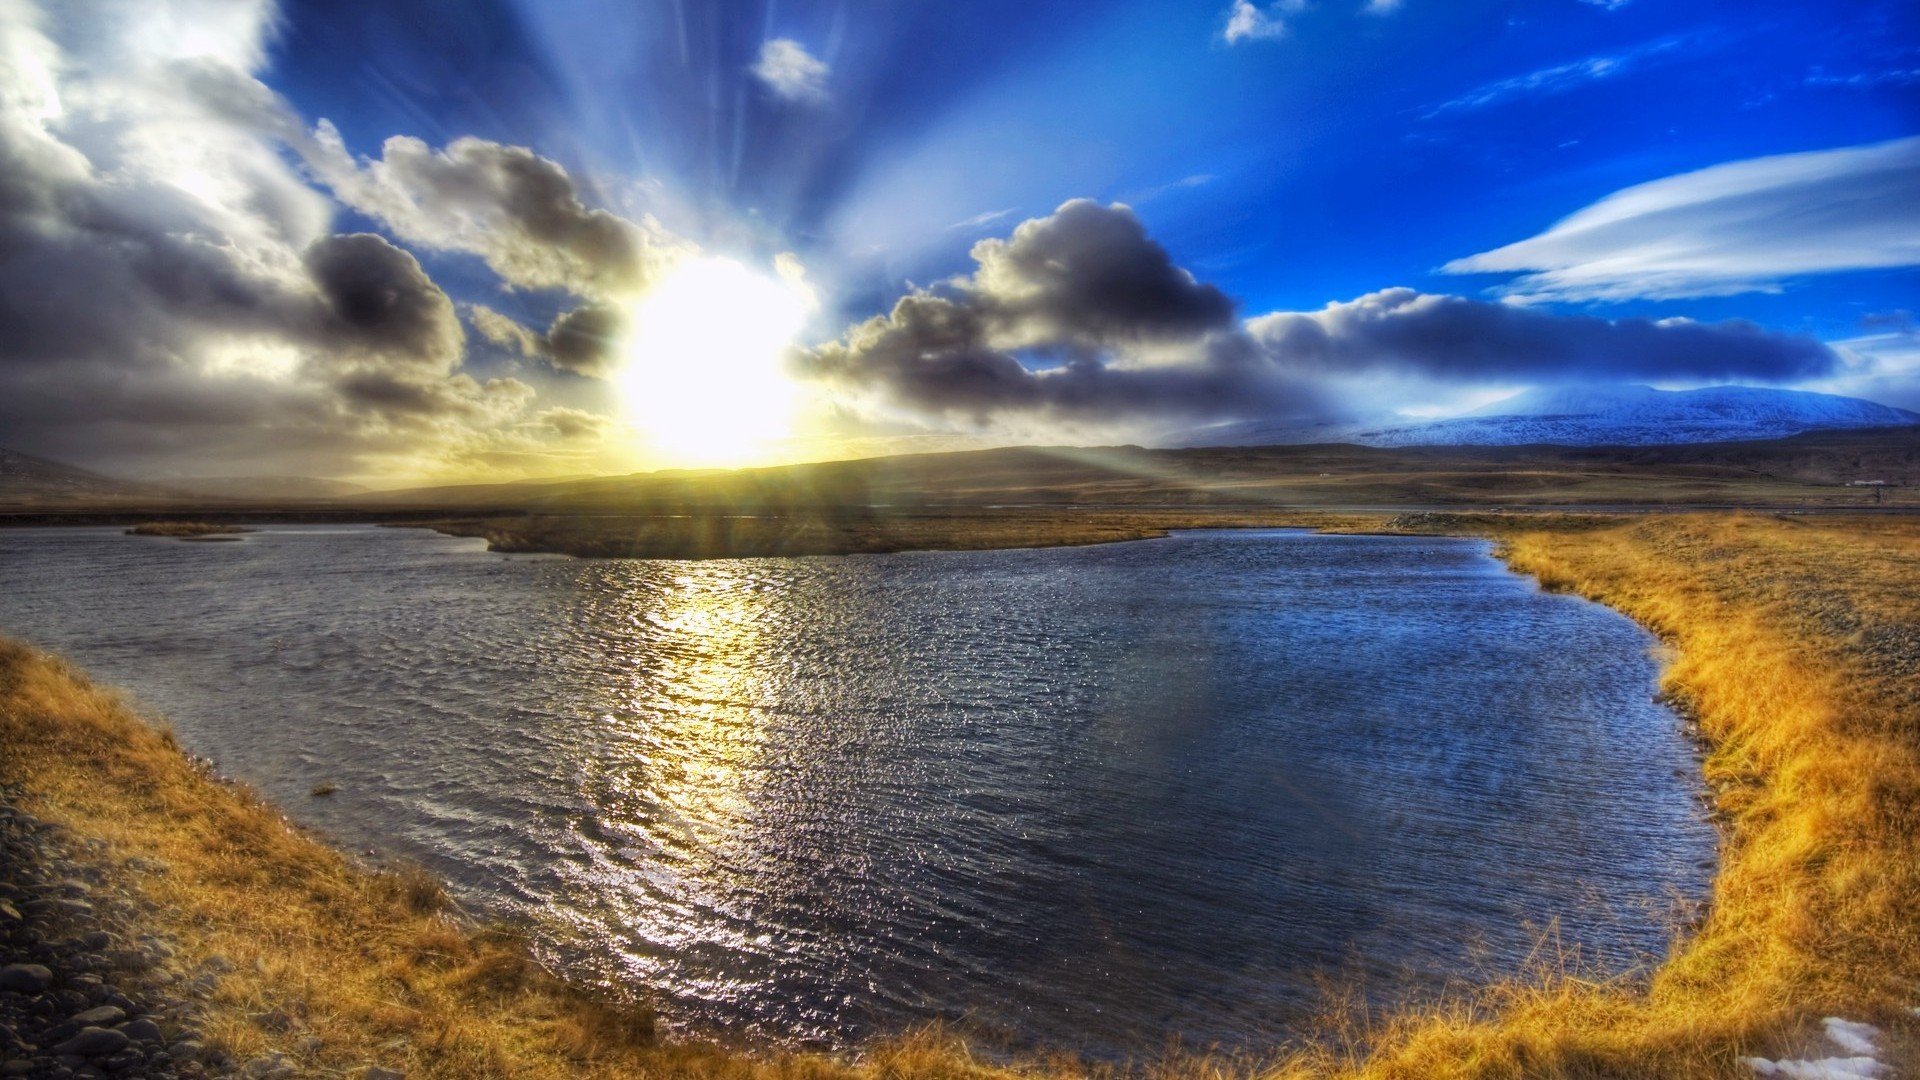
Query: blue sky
(428, 239)
(1355, 151)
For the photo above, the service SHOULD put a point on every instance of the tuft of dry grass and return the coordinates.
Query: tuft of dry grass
(1796, 645)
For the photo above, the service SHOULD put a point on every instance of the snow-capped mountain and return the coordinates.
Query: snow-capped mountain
(1590, 416)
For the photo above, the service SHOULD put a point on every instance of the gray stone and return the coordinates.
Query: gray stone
(101, 1016)
(94, 1042)
(142, 1030)
(25, 978)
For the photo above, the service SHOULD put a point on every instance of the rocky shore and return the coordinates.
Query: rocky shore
(85, 993)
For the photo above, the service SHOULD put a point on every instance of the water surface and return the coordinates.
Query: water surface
(1089, 798)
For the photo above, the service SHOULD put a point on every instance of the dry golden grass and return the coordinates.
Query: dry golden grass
(1797, 653)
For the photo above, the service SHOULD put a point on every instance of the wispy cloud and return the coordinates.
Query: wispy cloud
(791, 72)
(1610, 5)
(1745, 226)
(1381, 7)
(1864, 80)
(1185, 183)
(978, 220)
(1557, 79)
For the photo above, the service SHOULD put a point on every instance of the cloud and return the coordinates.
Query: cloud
(1078, 313)
(1088, 272)
(504, 331)
(1557, 79)
(786, 68)
(1381, 7)
(1458, 339)
(176, 303)
(1081, 316)
(1609, 5)
(1865, 80)
(519, 212)
(585, 341)
(986, 218)
(1247, 22)
(1741, 227)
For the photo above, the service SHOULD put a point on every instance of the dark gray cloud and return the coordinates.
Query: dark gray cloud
(1458, 339)
(376, 300)
(1081, 314)
(585, 341)
(1064, 318)
(1089, 273)
(933, 354)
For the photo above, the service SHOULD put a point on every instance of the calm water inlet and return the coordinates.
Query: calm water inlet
(1089, 798)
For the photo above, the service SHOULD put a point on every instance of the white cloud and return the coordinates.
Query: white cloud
(1745, 226)
(791, 72)
(1610, 5)
(1381, 7)
(1246, 22)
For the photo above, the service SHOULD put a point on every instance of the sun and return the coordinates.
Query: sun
(705, 381)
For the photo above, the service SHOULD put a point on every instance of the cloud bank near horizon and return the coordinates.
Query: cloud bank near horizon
(1081, 315)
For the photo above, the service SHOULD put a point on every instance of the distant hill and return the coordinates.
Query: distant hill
(1827, 467)
(28, 480)
(267, 488)
(1592, 416)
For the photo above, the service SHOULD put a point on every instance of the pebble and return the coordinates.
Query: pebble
(25, 978)
(102, 1016)
(94, 1042)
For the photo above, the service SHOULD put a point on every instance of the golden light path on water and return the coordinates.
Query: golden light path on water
(693, 715)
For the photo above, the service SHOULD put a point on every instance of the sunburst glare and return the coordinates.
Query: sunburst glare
(705, 381)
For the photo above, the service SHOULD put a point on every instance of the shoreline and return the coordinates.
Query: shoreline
(1797, 925)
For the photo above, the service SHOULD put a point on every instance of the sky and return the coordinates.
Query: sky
(417, 240)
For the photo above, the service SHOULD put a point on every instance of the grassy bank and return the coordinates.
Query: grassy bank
(1797, 652)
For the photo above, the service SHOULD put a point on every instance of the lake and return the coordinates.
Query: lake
(1084, 798)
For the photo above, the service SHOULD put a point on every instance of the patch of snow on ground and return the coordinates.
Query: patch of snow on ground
(1850, 1036)
(1854, 1038)
(1853, 1068)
